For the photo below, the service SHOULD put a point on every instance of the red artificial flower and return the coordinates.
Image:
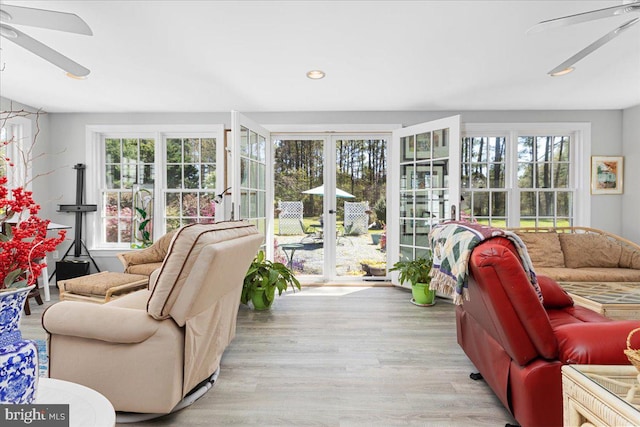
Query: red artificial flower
(25, 243)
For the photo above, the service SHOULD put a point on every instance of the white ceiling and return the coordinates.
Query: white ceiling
(214, 56)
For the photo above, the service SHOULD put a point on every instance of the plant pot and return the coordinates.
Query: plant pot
(375, 238)
(377, 271)
(260, 301)
(422, 295)
(18, 357)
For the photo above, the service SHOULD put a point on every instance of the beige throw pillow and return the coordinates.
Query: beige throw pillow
(543, 248)
(589, 250)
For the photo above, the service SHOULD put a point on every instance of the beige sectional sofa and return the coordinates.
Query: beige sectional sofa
(581, 254)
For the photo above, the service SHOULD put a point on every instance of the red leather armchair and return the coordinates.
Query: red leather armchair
(519, 344)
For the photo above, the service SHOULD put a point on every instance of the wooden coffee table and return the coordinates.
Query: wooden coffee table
(598, 395)
(616, 300)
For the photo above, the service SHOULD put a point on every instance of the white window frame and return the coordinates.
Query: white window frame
(95, 136)
(18, 129)
(580, 155)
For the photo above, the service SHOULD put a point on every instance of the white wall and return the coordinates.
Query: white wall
(67, 135)
(631, 151)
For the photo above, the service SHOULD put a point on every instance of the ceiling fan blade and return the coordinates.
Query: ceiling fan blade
(43, 51)
(42, 18)
(593, 46)
(585, 17)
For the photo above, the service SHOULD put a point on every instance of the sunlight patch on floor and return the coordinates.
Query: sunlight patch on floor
(327, 291)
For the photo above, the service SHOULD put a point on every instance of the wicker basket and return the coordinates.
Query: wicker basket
(633, 355)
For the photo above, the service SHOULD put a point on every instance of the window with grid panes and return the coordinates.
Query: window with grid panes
(483, 180)
(128, 163)
(190, 181)
(544, 181)
(536, 179)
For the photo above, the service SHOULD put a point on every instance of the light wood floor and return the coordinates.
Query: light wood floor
(340, 356)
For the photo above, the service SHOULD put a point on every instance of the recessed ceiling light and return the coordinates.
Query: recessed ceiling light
(73, 76)
(315, 74)
(561, 72)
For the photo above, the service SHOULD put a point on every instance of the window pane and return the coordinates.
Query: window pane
(406, 204)
(129, 175)
(525, 175)
(498, 204)
(478, 150)
(130, 150)
(262, 149)
(147, 174)
(174, 176)
(244, 141)
(423, 146)
(407, 148)
(172, 204)
(189, 205)
(406, 232)
(479, 177)
(262, 176)
(191, 176)
(525, 149)
(126, 204)
(147, 150)
(125, 230)
(172, 224)
(497, 147)
(527, 203)
(112, 176)
(545, 148)
(496, 175)
(561, 175)
(561, 149)
(208, 176)
(481, 204)
(565, 205)
(544, 175)
(253, 175)
(191, 150)
(441, 143)
(546, 205)
(174, 150)
(112, 150)
(207, 205)
(253, 145)
(208, 150)
(244, 172)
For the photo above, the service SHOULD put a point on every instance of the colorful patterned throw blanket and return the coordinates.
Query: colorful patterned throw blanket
(452, 243)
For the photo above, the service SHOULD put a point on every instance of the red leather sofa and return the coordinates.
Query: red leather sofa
(519, 344)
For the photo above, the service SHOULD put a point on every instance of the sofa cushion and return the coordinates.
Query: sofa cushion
(553, 295)
(629, 258)
(589, 250)
(183, 253)
(543, 248)
(591, 274)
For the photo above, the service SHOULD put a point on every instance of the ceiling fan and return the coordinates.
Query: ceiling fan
(567, 66)
(49, 19)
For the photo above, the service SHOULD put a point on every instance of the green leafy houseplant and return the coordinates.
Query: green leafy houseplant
(262, 280)
(416, 272)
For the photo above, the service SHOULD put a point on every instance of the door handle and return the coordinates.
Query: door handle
(332, 211)
(453, 212)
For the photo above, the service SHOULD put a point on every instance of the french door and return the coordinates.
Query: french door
(251, 165)
(327, 188)
(425, 166)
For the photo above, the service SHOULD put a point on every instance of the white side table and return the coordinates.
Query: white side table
(87, 407)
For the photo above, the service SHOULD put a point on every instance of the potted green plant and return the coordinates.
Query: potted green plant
(262, 280)
(416, 272)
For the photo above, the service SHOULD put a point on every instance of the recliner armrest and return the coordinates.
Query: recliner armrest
(99, 322)
(601, 343)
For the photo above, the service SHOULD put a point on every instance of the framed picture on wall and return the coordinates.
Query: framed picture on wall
(606, 174)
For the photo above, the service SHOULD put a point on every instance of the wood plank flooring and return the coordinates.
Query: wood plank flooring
(339, 356)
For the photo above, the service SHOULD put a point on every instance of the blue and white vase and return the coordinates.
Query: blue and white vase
(18, 357)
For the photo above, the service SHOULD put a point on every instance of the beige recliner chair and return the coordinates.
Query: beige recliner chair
(149, 349)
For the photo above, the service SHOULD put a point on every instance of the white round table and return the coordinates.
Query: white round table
(87, 407)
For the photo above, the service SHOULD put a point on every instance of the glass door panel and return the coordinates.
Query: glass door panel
(299, 234)
(428, 185)
(359, 239)
(249, 192)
